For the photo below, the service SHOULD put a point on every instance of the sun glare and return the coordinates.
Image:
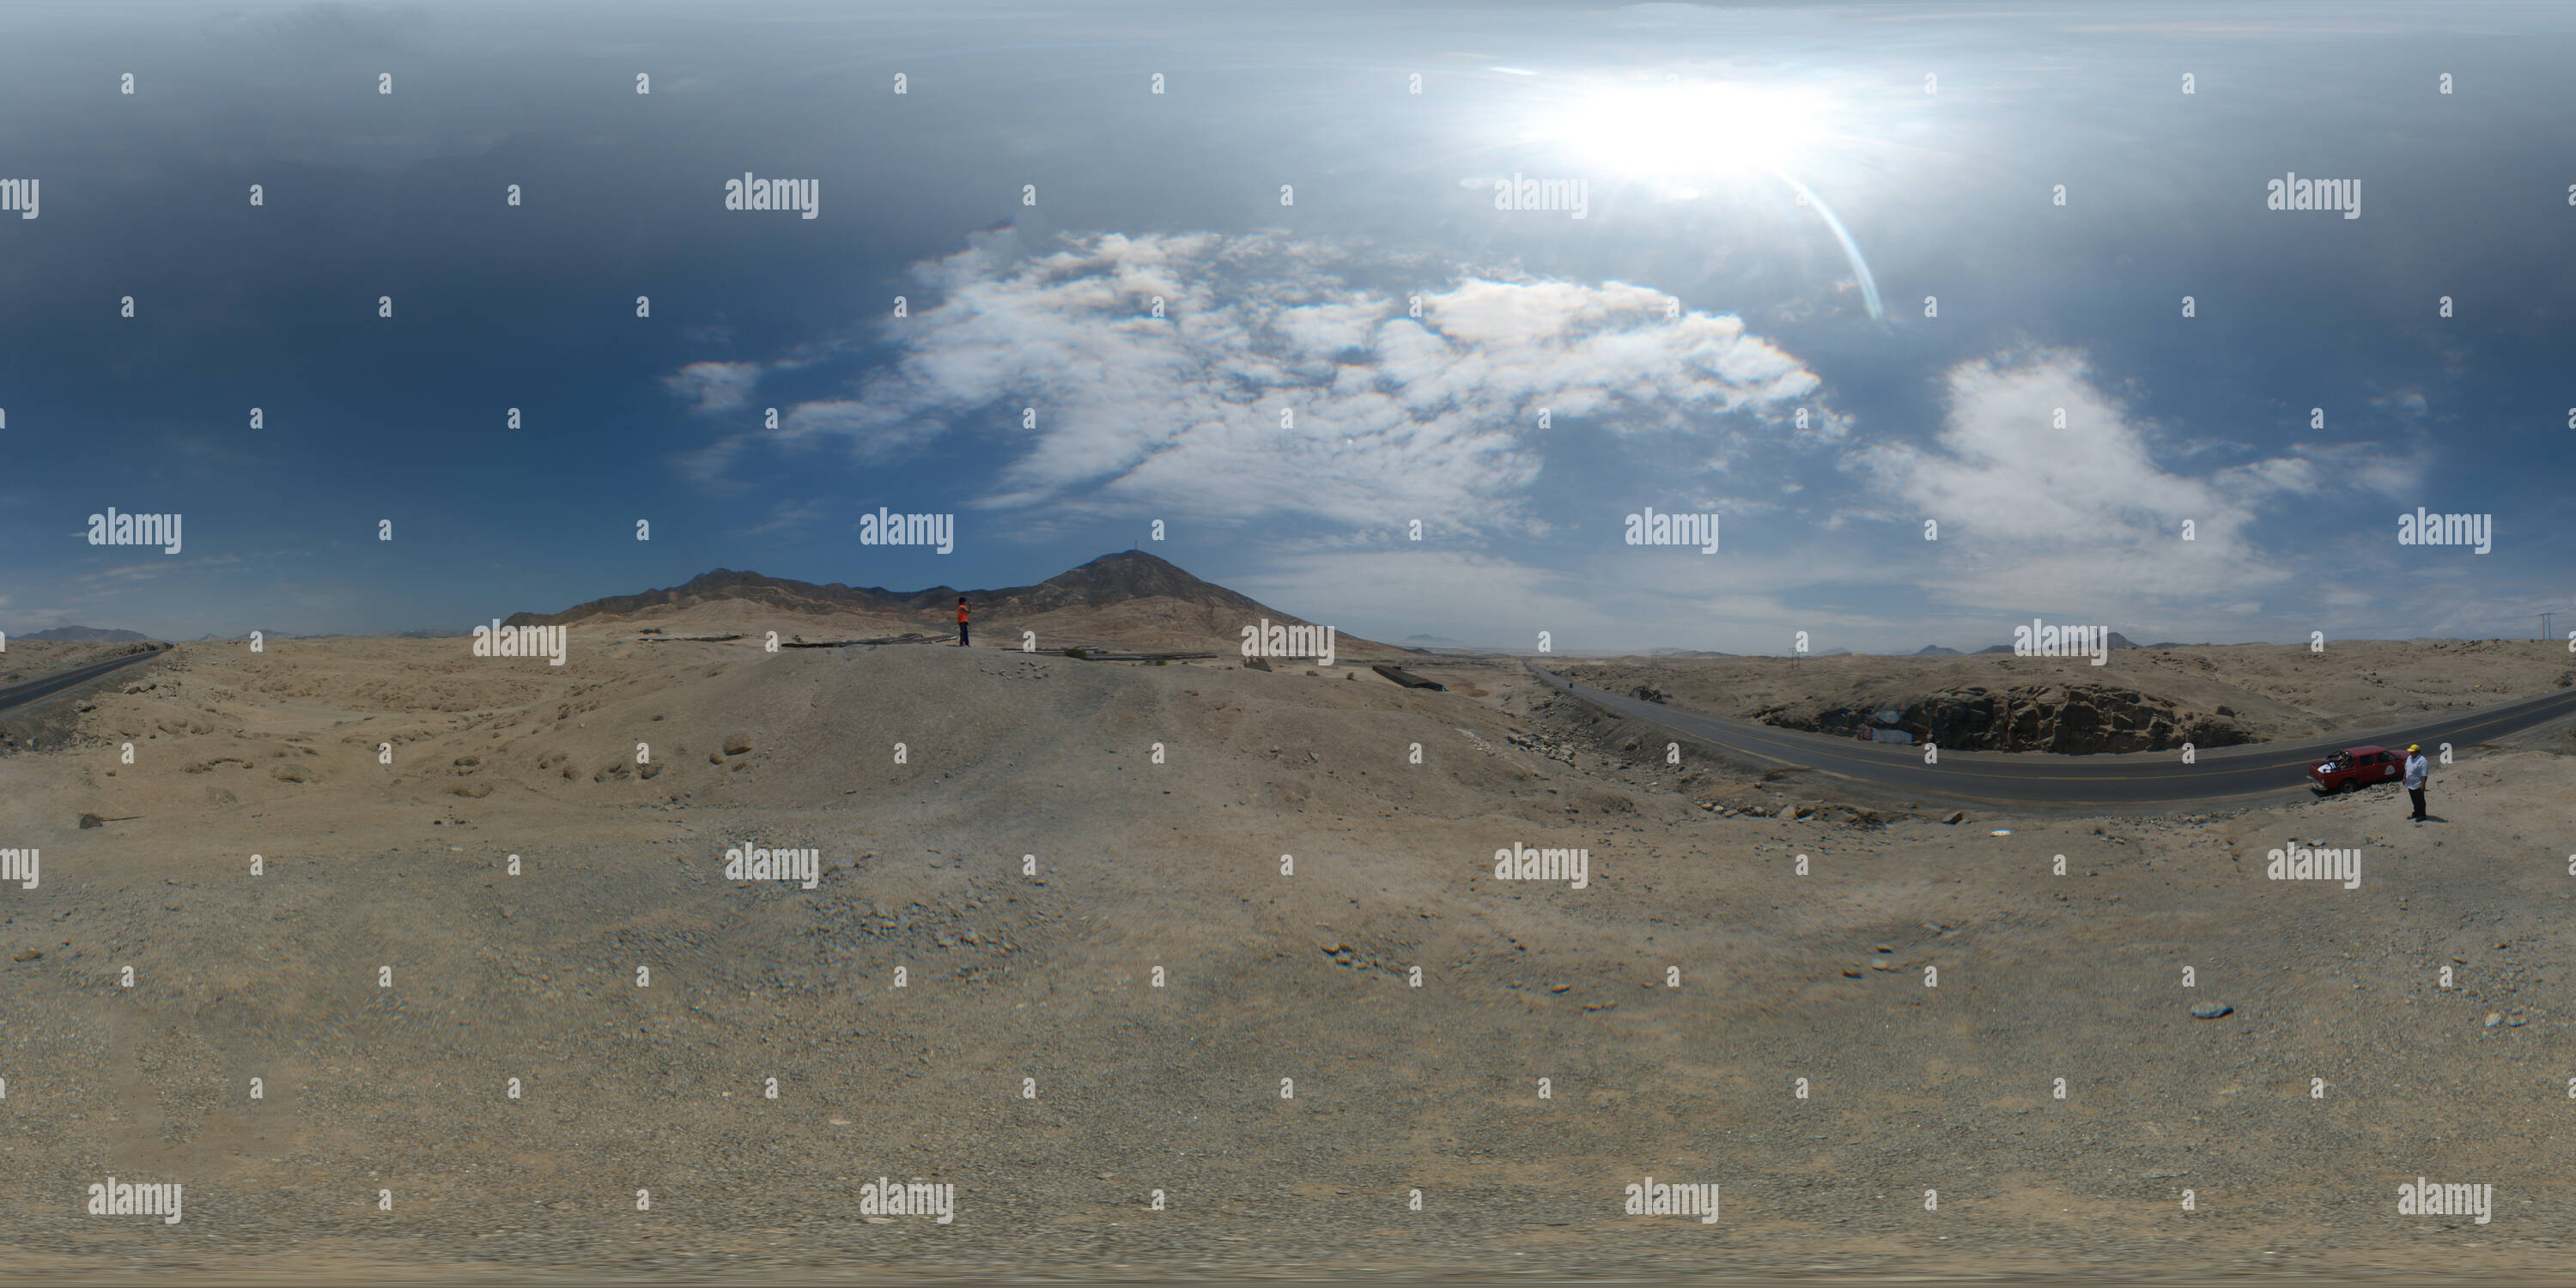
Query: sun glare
(1688, 129)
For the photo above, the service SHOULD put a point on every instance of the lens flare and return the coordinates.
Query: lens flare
(1678, 132)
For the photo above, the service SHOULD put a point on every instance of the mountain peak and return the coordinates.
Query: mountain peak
(1119, 576)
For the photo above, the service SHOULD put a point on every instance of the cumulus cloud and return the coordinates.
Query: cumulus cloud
(2083, 518)
(1283, 376)
(2080, 518)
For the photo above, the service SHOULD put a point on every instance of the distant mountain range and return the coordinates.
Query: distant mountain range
(2117, 640)
(85, 635)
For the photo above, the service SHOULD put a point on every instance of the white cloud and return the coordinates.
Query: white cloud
(1395, 416)
(2364, 467)
(153, 569)
(715, 386)
(785, 516)
(2079, 518)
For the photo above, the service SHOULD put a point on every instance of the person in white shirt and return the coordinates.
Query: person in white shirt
(2418, 772)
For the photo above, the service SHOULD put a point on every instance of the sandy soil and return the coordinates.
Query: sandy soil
(1016, 983)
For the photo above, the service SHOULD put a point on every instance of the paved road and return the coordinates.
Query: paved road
(2136, 778)
(46, 686)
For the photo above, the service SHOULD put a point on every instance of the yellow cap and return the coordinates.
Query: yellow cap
(2414, 747)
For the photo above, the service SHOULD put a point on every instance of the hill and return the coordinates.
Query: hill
(85, 635)
(1127, 599)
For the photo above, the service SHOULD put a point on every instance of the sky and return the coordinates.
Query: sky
(1231, 283)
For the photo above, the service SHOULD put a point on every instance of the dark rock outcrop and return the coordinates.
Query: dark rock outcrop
(2076, 719)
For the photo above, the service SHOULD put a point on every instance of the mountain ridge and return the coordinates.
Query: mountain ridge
(86, 635)
(1127, 598)
(1111, 578)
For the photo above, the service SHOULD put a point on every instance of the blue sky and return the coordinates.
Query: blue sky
(1673, 335)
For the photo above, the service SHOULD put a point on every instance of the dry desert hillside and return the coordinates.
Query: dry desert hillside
(1168, 1006)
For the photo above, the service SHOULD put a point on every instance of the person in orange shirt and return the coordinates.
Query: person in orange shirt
(961, 621)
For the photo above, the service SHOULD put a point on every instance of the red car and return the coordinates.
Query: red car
(2357, 767)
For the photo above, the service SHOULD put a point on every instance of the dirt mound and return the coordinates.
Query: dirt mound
(2073, 719)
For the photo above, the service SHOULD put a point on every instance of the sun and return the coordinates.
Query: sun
(1681, 130)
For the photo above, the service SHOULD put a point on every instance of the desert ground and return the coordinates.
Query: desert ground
(1170, 1007)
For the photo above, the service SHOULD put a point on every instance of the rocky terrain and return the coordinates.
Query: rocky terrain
(2071, 719)
(2143, 699)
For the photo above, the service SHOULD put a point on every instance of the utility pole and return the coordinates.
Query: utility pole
(2544, 624)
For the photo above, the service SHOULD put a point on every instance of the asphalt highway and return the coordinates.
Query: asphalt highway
(46, 686)
(2134, 778)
